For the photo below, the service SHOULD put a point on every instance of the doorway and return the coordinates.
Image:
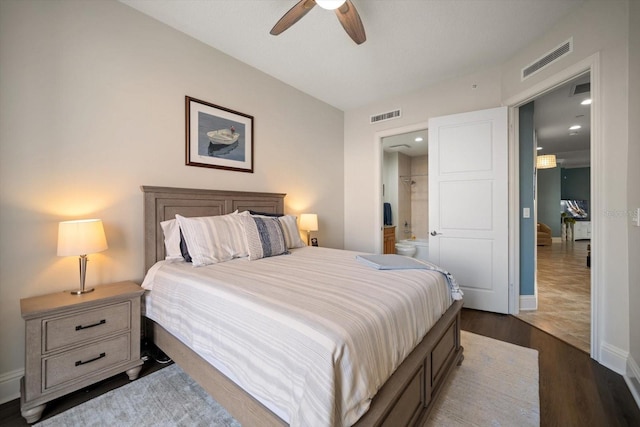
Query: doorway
(403, 209)
(563, 212)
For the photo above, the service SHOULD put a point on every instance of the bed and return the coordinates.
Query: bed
(404, 398)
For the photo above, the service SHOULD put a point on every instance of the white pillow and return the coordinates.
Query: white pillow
(171, 231)
(291, 232)
(265, 237)
(213, 239)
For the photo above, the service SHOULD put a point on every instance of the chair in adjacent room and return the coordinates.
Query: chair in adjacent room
(544, 234)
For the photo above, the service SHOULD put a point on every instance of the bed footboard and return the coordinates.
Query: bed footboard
(408, 396)
(404, 400)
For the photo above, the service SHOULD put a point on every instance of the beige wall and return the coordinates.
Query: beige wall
(92, 107)
(633, 171)
(597, 27)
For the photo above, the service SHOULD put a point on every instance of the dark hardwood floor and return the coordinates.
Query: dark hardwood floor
(574, 389)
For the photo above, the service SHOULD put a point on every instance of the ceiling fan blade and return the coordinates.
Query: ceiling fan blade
(292, 16)
(350, 20)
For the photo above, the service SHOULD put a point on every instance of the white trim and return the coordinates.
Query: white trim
(590, 64)
(377, 157)
(614, 358)
(528, 302)
(515, 302)
(10, 385)
(632, 378)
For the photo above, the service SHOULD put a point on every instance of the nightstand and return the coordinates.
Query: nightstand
(73, 341)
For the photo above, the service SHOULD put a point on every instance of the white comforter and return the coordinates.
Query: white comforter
(313, 334)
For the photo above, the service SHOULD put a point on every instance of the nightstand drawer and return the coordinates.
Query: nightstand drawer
(88, 360)
(86, 325)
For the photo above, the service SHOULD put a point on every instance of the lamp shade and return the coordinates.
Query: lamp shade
(81, 237)
(546, 161)
(309, 222)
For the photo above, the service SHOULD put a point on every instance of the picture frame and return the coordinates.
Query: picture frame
(217, 137)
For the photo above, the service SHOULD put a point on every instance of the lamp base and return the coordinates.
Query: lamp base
(83, 273)
(81, 291)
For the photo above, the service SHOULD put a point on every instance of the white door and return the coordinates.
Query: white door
(468, 204)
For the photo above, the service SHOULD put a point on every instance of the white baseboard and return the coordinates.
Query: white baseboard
(10, 385)
(614, 358)
(528, 302)
(633, 379)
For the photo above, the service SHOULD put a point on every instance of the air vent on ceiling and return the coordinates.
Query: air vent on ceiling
(581, 88)
(398, 147)
(385, 116)
(548, 59)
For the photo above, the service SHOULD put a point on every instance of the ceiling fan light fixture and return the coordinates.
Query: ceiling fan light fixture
(330, 4)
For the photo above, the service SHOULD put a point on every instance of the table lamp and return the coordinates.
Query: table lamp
(309, 223)
(80, 238)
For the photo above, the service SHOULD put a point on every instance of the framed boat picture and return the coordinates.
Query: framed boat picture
(218, 137)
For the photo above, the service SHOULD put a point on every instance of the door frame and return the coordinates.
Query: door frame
(590, 64)
(379, 197)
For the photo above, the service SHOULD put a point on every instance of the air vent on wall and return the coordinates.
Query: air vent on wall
(548, 59)
(581, 88)
(385, 116)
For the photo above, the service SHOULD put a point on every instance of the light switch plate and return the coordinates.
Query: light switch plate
(526, 212)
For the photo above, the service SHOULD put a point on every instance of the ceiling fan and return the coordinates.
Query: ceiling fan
(346, 12)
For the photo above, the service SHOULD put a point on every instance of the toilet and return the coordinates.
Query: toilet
(416, 248)
(405, 249)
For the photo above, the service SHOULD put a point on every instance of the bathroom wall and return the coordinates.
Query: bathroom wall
(409, 202)
(420, 197)
(404, 198)
(390, 182)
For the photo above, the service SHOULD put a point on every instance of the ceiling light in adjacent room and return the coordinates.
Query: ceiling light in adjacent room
(419, 139)
(538, 148)
(575, 127)
(330, 4)
(586, 102)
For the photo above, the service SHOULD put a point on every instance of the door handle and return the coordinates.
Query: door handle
(435, 233)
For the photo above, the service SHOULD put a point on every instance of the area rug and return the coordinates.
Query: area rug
(496, 385)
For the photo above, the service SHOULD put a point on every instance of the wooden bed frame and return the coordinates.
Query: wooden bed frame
(404, 400)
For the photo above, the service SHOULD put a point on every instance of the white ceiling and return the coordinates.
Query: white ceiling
(410, 44)
(554, 113)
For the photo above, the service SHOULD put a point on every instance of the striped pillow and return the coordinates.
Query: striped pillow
(213, 239)
(264, 235)
(291, 232)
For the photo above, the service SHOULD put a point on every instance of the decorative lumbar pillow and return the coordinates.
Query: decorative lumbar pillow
(264, 236)
(291, 232)
(171, 231)
(213, 239)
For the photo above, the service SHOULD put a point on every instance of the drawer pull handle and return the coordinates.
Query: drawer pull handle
(80, 362)
(80, 327)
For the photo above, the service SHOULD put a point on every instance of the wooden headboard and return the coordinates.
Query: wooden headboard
(163, 203)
